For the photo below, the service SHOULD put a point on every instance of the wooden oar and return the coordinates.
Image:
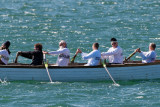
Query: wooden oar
(104, 65)
(46, 66)
(130, 56)
(72, 60)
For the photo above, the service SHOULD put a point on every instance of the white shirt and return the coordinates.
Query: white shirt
(93, 58)
(63, 58)
(114, 55)
(4, 56)
(148, 57)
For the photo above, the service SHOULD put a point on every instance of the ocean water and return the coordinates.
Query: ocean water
(135, 23)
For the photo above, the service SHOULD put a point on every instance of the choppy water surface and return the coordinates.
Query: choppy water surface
(135, 23)
(102, 94)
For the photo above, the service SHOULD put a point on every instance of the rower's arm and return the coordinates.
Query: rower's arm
(145, 55)
(56, 52)
(114, 52)
(16, 60)
(104, 57)
(28, 55)
(86, 56)
(1, 52)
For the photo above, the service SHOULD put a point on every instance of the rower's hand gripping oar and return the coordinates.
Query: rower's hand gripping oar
(46, 66)
(131, 55)
(104, 65)
(78, 51)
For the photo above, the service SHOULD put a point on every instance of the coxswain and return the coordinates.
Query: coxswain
(5, 53)
(114, 54)
(150, 56)
(93, 57)
(36, 55)
(63, 54)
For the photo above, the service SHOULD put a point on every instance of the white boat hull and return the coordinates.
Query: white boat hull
(81, 74)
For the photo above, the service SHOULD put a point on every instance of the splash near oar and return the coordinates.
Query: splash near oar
(46, 66)
(104, 65)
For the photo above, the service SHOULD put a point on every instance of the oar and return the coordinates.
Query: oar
(46, 66)
(130, 56)
(72, 60)
(104, 65)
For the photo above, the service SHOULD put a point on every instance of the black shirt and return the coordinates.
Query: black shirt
(36, 56)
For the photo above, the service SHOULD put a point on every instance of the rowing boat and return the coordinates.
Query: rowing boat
(131, 70)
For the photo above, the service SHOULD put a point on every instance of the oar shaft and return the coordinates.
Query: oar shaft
(104, 65)
(44, 56)
(46, 66)
(72, 61)
(110, 75)
(49, 74)
(131, 55)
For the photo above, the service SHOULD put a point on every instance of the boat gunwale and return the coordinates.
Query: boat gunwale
(79, 65)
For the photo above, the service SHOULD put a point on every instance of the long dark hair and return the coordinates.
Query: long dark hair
(8, 51)
(7, 44)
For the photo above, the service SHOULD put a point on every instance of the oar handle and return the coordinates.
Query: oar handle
(72, 60)
(45, 61)
(44, 56)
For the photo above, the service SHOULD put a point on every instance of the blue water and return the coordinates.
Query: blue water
(101, 94)
(135, 23)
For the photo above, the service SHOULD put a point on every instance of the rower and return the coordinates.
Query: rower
(36, 55)
(63, 54)
(150, 56)
(93, 57)
(5, 53)
(114, 54)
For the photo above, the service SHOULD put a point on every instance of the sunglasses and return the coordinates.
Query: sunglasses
(114, 43)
